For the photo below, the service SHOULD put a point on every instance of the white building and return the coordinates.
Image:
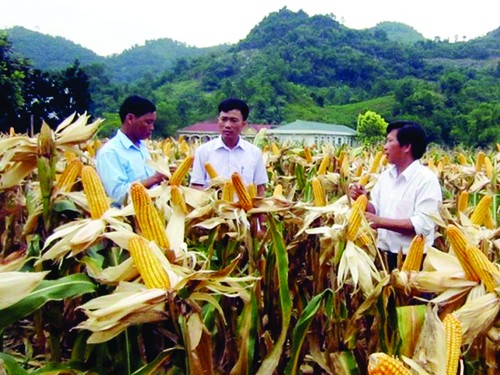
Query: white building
(308, 133)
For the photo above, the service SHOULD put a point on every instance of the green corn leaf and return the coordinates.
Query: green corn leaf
(300, 330)
(10, 365)
(48, 290)
(271, 361)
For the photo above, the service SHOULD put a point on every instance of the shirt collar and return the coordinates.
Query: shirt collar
(221, 144)
(407, 173)
(125, 141)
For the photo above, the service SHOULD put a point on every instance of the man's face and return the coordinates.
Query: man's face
(392, 148)
(142, 126)
(230, 125)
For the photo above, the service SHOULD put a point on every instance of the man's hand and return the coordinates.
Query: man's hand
(355, 190)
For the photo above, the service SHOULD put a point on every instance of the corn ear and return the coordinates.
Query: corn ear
(177, 199)
(252, 190)
(148, 264)
(148, 218)
(69, 175)
(318, 192)
(415, 254)
(481, 210)
(462, 159)
(383, 364)
(278, 190)
(94, 191)
(485, 270)
(453, 334)
(354, 222)
(275, 149)
(364, 179)
(459, 245)
(241, 191)
(463, 201)
(228, 192)
(488, 167)
(182, 171)
(376, 162)
(479, 161)
(210, 170)
(307, 154)
(324, 165)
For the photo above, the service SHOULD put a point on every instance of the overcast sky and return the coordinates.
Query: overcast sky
(108, 26)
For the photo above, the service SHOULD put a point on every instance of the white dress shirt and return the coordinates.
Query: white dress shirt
(414, 194)
(245, 158)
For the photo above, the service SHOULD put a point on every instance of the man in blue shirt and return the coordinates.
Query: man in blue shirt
(123, 159)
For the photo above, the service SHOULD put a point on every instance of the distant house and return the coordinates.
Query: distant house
(205, 131)
(308, 133)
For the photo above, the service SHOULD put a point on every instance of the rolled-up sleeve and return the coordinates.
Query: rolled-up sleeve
(426, 206)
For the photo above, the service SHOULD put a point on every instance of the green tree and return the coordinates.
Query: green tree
(371, 127)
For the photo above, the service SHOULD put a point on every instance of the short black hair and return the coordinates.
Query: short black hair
(410, 133)
(136, 105)
(233, 103)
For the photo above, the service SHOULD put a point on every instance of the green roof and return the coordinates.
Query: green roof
(314, 127)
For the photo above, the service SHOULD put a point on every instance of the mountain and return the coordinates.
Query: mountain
(46, 52)
(399, 32)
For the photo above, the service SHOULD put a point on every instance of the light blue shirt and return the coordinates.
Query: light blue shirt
(245, 158)
(119, 163)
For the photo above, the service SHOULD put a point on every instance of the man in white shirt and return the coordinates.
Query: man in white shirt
(406, 195)
(230, 153)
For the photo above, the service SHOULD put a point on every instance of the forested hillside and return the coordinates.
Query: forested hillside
(292, 66)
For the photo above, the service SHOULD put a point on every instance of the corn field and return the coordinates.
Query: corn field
(183, 281)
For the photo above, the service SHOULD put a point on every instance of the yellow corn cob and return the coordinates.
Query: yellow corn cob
(228, 192)
(364, 179)
(463, 201)
(177, 199)
(446, 160)
(359, 170)
(341, 157)
(383, 364)
(148, 218)
(275, 149)
(488, 167)
(69, 155)
(361, 202)
(498, 147)
(440, 166)
(181, 171)
(210, 170)
(12, 132)
(431, 165)
(462, 159)
(166, 147)
(324, 165)
(354, 222)
(479, 160)
(252, 190)
(307, 154)
(376, 162)
(241, 191)
(148, 264)
(415, 254)
(383, 160)
(278, 190)
(318, 192)
(344, 167)
(459, 245)
(94, 191)
(453, 333)
(483, 267)
(481, 210)
(364, 238)
(69, 175)
(184, 147)
(489, 221)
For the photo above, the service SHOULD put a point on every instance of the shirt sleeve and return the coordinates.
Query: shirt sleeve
(198, 170)
(426, 206)
(113, 176)
(260, 176)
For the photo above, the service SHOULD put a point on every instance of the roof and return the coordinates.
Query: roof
(310, 127)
